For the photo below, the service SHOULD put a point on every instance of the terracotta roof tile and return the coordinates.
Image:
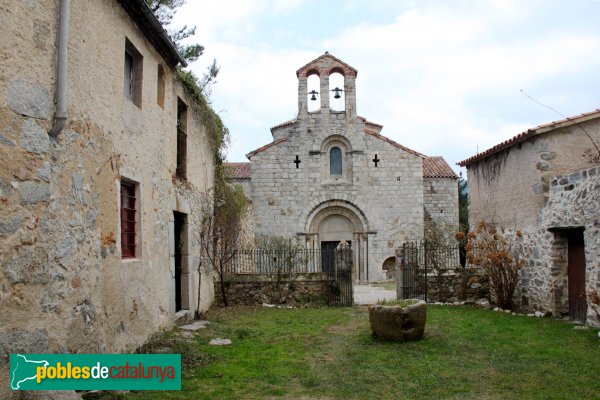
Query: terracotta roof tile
(326, 55)
(530, 133)
(367, 122)
(437, 167)
(266, 146)
(286, 123)
(238, 170)
(395, 144)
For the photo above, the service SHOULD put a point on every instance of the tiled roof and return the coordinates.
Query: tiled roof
(367, 122)
(437, 167)
(238, 170)
(325, 55)
(530, 133)
(266, 146)
(395, 144)
(286, 123)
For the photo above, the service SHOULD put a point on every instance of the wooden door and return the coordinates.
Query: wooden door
(576, 276)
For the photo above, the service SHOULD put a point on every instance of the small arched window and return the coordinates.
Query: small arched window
(335, 161)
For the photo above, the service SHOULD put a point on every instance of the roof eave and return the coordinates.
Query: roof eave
(521, 137)
(153, 30)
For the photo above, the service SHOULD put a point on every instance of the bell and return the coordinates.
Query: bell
(314, 94)
(337, 93)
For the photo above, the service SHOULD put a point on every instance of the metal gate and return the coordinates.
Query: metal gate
(412, 279)
(337, 265)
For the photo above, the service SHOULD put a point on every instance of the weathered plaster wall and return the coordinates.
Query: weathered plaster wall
(527, 166)
(63, 284)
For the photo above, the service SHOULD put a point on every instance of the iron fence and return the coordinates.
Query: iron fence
(301, 261)
(333, 268)
(422, 260)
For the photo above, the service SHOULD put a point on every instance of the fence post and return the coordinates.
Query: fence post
(400, 254)
(426, 256)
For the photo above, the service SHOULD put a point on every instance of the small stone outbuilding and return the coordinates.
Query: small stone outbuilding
(546, 182)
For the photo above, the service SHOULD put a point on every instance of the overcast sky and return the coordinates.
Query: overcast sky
(442, 77)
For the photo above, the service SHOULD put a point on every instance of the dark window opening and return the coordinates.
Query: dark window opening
(181, 170)
(132, 74)
(335, 161)
(160, 87)
(128, 220)
(180, 222)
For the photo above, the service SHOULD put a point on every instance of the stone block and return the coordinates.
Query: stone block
(23, 341)
(548, 156)
(28, 99)
(34, 138)
(44, 172)
(10, 225)
(6, 141)
(34, 193)
(27, 264)
(576, 177)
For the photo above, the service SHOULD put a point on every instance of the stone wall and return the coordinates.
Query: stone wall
(457, 284)
(574, 201)
(441, 200)
(251, 290)
(64, 286)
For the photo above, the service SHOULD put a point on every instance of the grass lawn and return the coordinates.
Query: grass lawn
(328, 353)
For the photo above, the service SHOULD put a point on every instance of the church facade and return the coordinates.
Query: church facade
(330, 175)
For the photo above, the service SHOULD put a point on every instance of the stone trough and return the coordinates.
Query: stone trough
(398, 322)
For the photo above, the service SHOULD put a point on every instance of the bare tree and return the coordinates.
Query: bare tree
(222, 215)
(285, 256)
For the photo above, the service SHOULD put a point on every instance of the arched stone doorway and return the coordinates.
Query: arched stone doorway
(336, 228)
(389, 268)
(333, 221)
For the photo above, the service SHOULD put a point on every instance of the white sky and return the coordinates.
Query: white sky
(442, 77)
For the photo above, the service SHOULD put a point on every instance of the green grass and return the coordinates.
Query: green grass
(329, 353)
(397, 302)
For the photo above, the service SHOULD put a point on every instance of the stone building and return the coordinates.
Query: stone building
(546, 182)
(97, 218)
(330, 175)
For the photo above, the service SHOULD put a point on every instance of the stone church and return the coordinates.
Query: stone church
(330, 175)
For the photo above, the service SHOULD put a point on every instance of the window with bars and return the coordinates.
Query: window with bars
(128, 220)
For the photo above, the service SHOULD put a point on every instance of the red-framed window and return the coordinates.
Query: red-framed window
(128, 220)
